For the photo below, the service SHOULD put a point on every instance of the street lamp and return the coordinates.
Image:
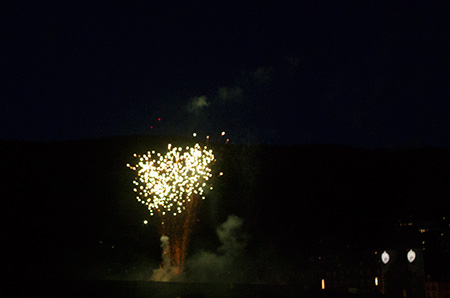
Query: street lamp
(411, 255)
(385, 257)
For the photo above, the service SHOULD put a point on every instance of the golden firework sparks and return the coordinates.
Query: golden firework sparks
(166, 183)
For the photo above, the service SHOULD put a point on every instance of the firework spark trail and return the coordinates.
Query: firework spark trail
(171, 186)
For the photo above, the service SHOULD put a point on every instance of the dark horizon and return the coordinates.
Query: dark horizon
(72, 206)
(187, 138)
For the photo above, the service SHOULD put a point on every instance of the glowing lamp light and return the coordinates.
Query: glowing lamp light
(385, 257)
(411, 255)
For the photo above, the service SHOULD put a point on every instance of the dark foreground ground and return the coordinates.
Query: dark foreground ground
(111, 289)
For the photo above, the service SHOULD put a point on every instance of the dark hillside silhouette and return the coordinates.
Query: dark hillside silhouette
(67, 204)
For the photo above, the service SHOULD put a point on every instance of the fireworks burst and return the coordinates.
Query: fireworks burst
(172, 186)
(166, 183)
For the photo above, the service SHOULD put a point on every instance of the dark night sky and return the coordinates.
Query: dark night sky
(362, 73)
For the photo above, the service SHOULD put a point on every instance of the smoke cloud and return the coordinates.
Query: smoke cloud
(232, 238)
(230, 93)
(221, 266)
(196, 104)
(166, 271)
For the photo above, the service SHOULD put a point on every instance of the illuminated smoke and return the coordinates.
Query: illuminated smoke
(197, 104)
(221, 266)
(166, 272)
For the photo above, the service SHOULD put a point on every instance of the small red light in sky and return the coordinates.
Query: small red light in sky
(159, 119)
(151, 126)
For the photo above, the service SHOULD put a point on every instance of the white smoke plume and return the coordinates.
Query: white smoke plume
(208, 266)
(196, 104)
(221, 266)
(230, 235)
(166, 271)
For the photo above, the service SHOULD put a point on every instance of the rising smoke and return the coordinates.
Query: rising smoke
(197, 104)
(222, 265)
(205, 266)
(166, 271)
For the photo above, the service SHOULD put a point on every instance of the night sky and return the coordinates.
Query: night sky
(359, 73)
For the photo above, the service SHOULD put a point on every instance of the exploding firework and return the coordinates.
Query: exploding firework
(171, 186)
(166, 183)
